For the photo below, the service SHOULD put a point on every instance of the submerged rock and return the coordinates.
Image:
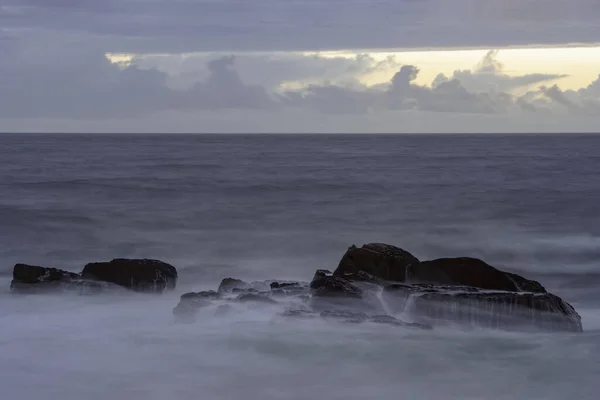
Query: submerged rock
(229, 284)
(189, 305)
(140, 275)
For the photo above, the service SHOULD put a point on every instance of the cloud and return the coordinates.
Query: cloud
(144, 26)
(75, 84)
(489, 76)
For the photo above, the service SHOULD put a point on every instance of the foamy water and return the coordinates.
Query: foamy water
(130, 348)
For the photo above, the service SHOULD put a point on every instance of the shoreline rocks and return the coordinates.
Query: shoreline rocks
(377, 279)
(138, 275)
(376, 283)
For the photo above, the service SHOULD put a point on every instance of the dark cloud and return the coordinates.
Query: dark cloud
(236, 25)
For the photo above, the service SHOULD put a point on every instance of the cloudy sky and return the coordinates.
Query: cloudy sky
(299, 65)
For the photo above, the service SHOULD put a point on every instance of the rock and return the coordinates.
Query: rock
(382, 261)
(284, 285)
(334, 292)
(489, 309)
(468, 271)
(208, 295)
(333, 286)
(255, 298)
(140, 275)
(24, 273)
(31, 279)
(526, 285)
(228, 284)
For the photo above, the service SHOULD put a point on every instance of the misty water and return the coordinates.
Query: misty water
(280, 207)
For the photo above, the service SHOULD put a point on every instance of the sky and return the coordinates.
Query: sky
(295, 66)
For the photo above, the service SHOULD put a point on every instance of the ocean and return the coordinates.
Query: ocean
(261, 207)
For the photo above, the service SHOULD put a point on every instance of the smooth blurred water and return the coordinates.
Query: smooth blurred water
(265, 206)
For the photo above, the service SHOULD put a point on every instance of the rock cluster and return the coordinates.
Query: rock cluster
(376, 280)
(376, 283)
(139, 275)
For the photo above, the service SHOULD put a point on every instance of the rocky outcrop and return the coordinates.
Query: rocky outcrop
(468, 271)
(464, 290)
(140, 275)
(229, 284)
(137, 275)
(32, 279)
(379, 260)
(476, 307)
(33, 274)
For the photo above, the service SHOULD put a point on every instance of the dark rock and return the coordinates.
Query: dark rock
(236, 290)
(490, 309)
(30, 279)
(333, 286)
(334, 292)
(283, 285)
(228, 284)
(526, 285)
(386, 262)
(140, 275)
(468, 271)
(255, 298)
(209, 295)
(23, 273)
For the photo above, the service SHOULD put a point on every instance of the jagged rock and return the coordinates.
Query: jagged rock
(228, 284)
(333, 286)
(491, 309)
(140, 275)
(379, 260)
(468, 271)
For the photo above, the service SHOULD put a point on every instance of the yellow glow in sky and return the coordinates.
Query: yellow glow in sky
(582, 64)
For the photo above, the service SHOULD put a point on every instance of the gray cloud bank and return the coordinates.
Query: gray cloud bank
(144, 26)
(95, 88)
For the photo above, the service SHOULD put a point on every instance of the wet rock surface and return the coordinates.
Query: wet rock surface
(384, 284)
(140, 275)
(376, 283)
